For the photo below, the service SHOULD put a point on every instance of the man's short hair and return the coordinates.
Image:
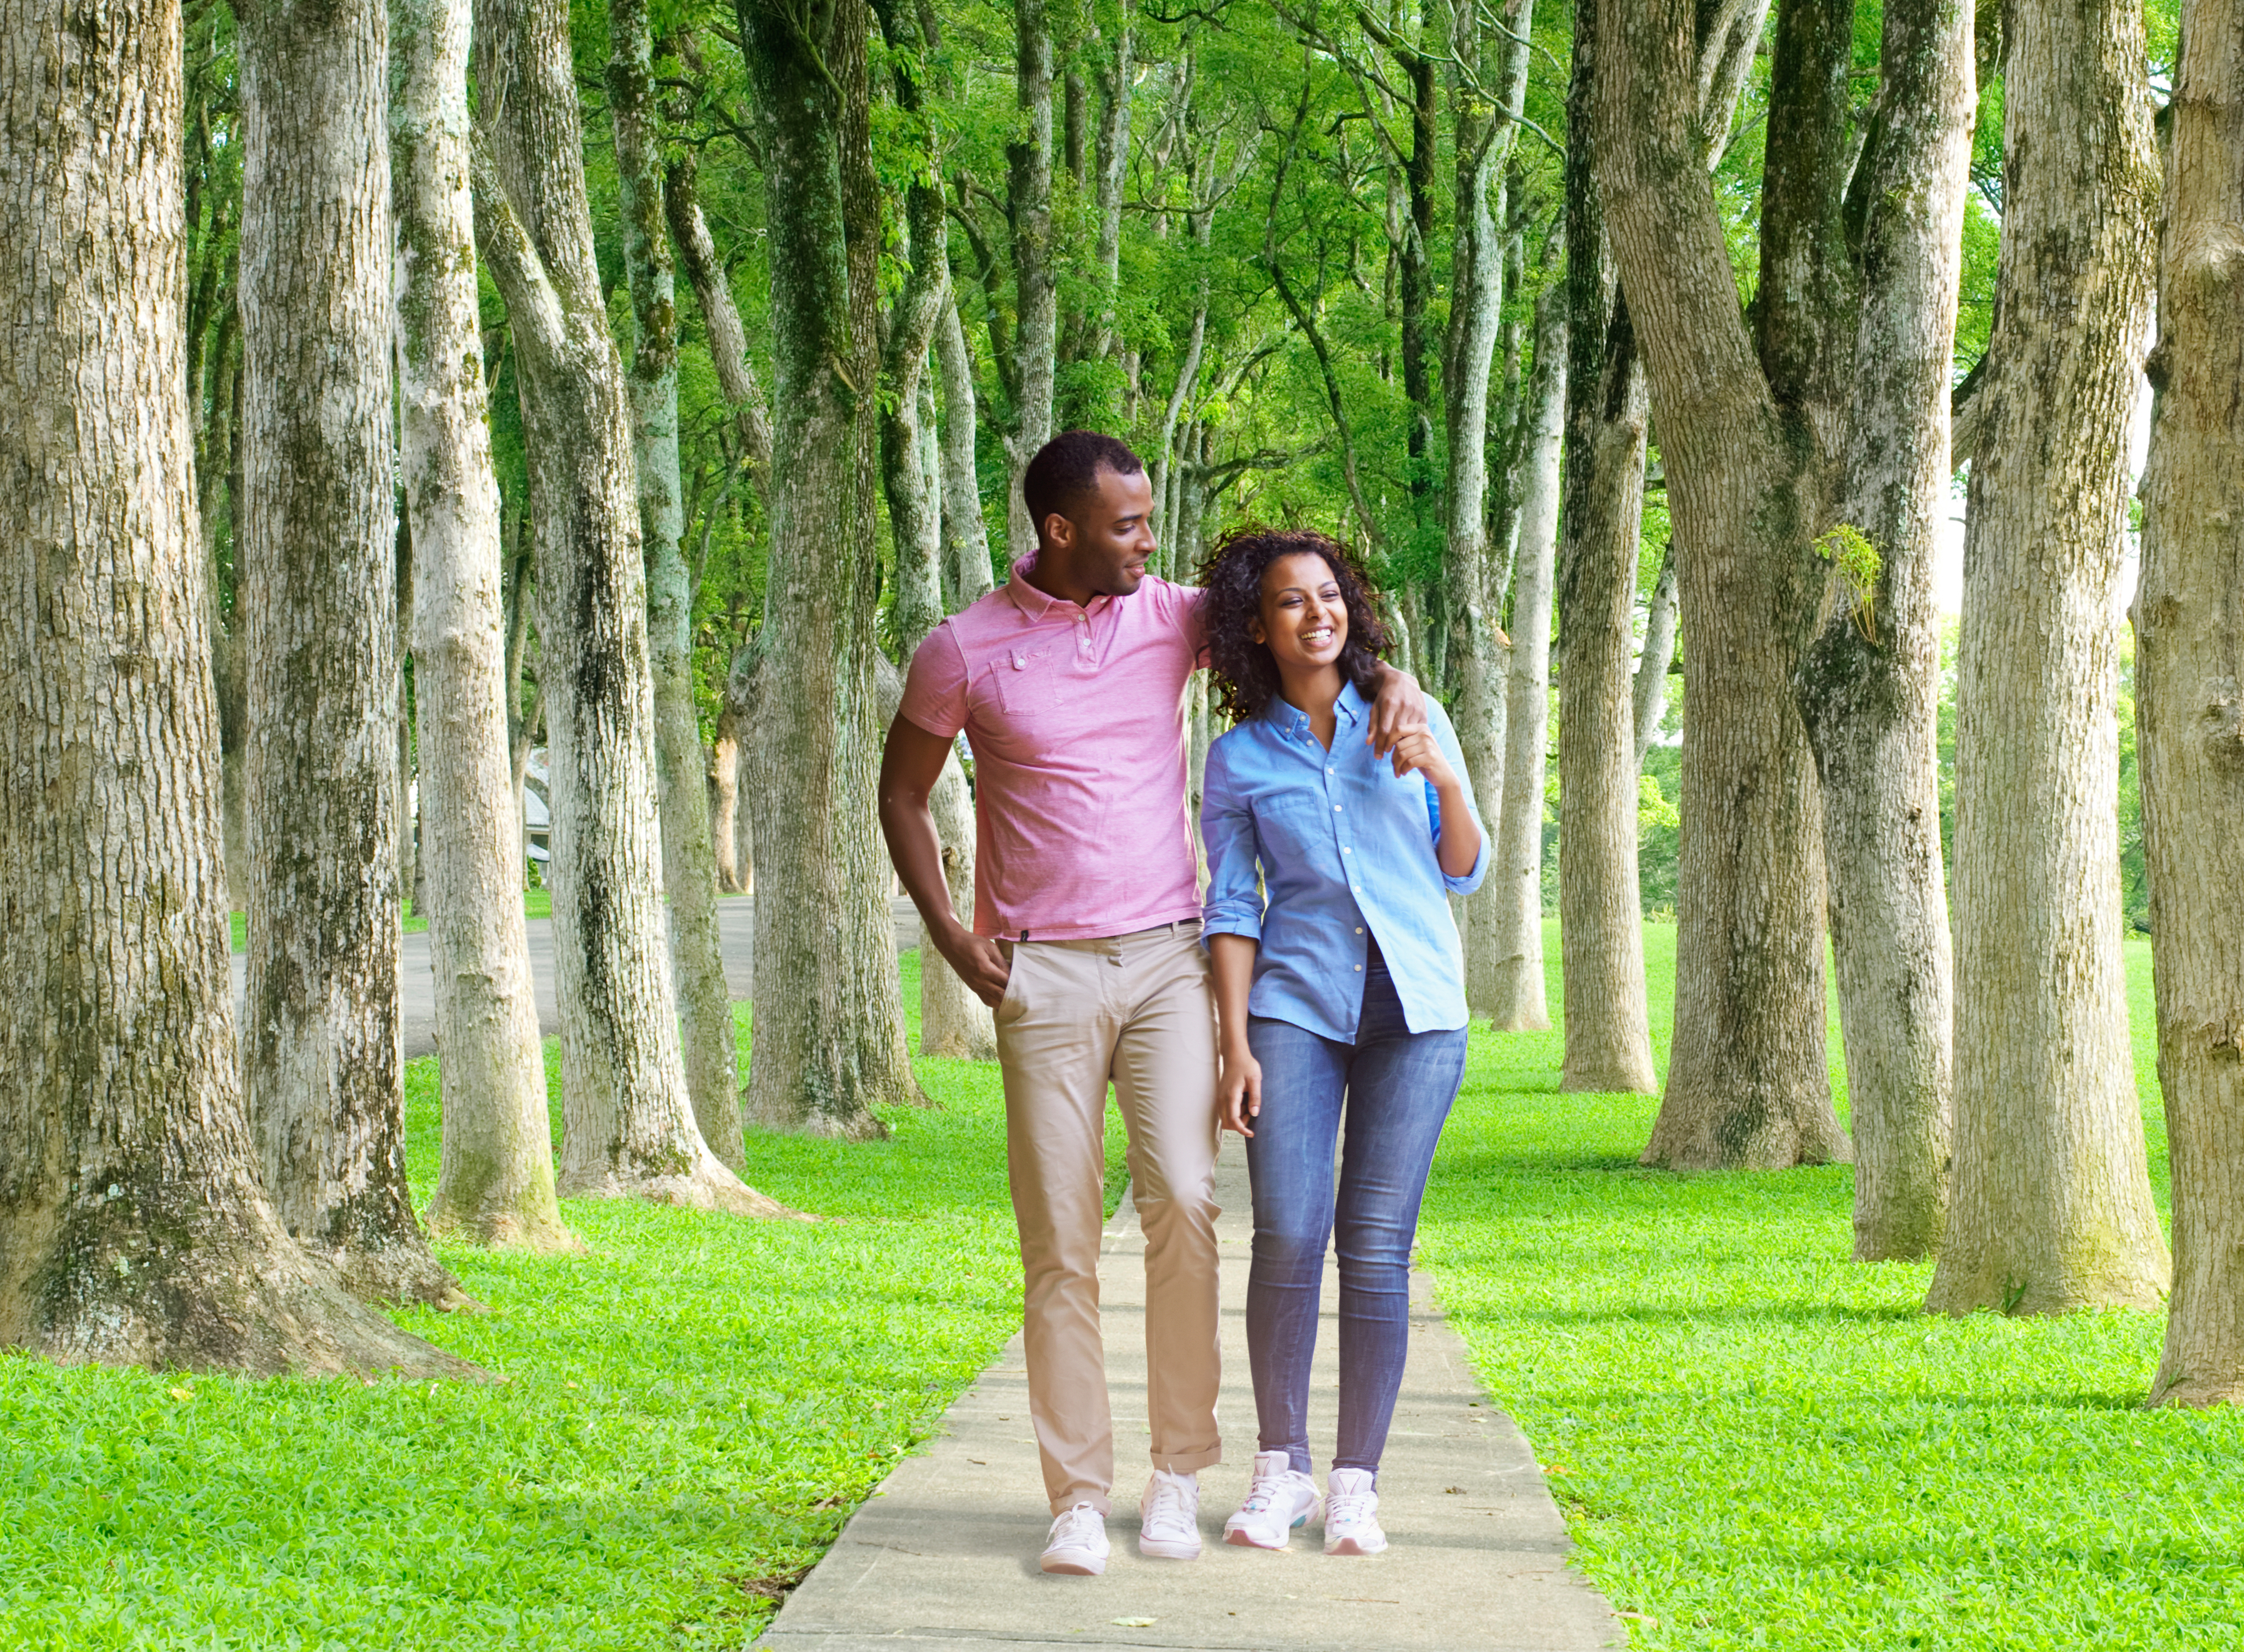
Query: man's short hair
(1067, 467)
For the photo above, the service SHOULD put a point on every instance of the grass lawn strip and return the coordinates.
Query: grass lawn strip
(1759, 1443)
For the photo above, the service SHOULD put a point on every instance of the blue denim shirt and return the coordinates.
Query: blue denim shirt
(1344, 848)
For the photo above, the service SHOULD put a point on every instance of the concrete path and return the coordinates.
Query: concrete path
(943, 1557)
(417, 997)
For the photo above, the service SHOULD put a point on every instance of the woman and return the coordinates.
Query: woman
(1349, 984)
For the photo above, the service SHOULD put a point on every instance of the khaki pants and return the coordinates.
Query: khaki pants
(1135, 1009)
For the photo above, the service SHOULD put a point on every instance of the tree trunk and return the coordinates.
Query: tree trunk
(1654, 659)
(729, 339)
(1036, 283)
(1600, 916)
(1869, 680)
(402, 608)
(1515, 912)
(132, 1227)
(829, 1049)
(323, 1066)
(631, 1129)
(708, 1041)
(1747, 1086)
(496, 1184)
(1117, 79)
(1481, 138)
(2189, 661)
(965, 541)
(724, 801)
(2051, 1202)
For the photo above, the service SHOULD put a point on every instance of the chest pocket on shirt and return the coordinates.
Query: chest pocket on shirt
(1024, 677)
(1292, 824)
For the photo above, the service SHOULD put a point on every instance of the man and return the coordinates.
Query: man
(1069, 683)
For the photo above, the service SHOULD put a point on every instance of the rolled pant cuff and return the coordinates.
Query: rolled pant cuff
(1098, 1500)
(1189, 1462)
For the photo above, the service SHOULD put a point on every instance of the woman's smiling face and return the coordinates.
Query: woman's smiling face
(1304, 618)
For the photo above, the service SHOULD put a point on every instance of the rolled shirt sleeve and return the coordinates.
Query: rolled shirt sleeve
(1445, 736)
(1234, 902)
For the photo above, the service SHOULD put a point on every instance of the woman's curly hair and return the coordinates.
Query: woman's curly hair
(1246, 675)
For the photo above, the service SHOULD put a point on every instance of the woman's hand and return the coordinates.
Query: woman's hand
(1419, 750)
(1239, 1091)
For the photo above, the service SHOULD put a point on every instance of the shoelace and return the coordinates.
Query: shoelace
(1262, 1493)
(1348, 1509)
(1075, 1526)
(1168, 1506)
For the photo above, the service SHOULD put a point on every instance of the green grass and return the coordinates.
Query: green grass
(1756, 1442)
(690, 1411)
(536, 903)
(1760, 1443)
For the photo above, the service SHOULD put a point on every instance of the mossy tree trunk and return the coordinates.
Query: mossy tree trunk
(708, 1044)
(1036, 281)
(1515, 909)
(133, 1227)
(2189, 685)
(496, 1182)
(1869, 676)
(1600, 919)
(322, 1057)
(1474, 596)
(631, 1130)
(2049, 1205)
(1746, 435)
(829, 1044)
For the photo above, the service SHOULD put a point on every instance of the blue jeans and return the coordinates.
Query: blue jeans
(1398, 1087)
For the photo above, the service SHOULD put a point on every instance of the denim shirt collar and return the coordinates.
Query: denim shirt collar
(1294, 724)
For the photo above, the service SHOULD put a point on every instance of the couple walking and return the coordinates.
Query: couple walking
(1338, 977)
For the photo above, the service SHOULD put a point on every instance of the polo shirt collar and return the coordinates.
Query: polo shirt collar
(1293, 723)
(1036, 604)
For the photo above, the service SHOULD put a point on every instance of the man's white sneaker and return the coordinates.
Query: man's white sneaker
(1352, 1514)
(1077, 1546)
(1280, 1498)
(1168, 1517)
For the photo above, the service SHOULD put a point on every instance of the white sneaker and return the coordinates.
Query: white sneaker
(1077, 1546)
(1280, 1498)
(1352, 1514)
(1168, 1517)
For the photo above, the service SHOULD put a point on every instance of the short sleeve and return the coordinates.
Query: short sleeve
(1445, 736)
(935, 688)
(1191, 614)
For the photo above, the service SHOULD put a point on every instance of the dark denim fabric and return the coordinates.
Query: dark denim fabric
(1397, 1087)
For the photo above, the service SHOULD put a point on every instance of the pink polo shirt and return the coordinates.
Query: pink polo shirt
(1076, 718)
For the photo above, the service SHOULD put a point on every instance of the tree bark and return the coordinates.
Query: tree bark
(829, 1049)
(630, 1124)
(724, 801)
(2189, 662)
(965, 540)
(1600, 916)
(1517, 1003)
(1747, 1086)
(1036, 340)
(495, 1183)
(1654, 659)
(323, 1064)
(1482, 139)
(134, 1230)
(708, 1041)
(2051, 1202)
(712, 292)
(1117, 80)
(1869, 679)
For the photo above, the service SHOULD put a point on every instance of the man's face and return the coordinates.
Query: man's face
(1108, 533)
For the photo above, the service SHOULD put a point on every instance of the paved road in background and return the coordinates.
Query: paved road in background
(736, 917)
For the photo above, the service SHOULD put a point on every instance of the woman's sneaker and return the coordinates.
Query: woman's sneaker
(1280, 1498)
(1077, 1546)
(1168, 1517)
(1352, 1514)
